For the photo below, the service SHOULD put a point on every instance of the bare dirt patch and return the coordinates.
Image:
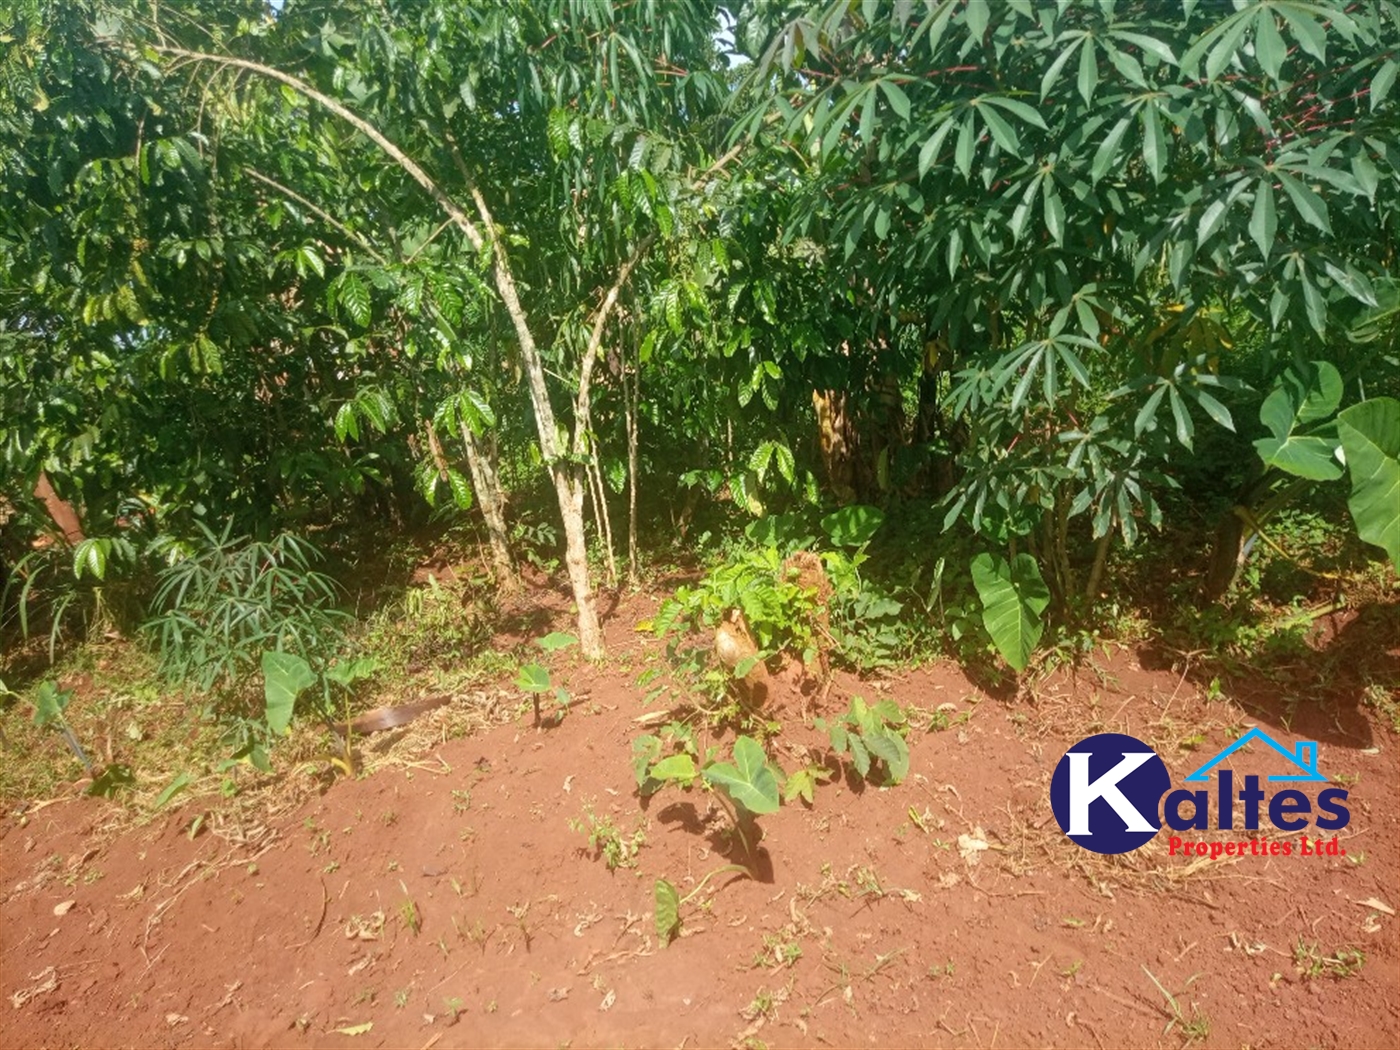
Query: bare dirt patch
(445, 900)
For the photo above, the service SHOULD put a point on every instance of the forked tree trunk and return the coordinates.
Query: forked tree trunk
(487, 484)
(568, 482)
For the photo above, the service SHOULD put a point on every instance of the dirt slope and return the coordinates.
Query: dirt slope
(452, 884)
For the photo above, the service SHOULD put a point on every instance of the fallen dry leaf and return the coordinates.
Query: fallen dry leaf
(1379, 905)
(970, 847)
(64, 908)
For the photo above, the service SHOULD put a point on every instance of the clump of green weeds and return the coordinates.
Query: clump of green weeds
(1313, 962)
(606, 841)
(1195, 1028)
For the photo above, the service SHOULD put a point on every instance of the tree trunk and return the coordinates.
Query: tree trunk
(1091, 591)
(1225, 558)
(60, 510)
(488, 493)
(604, 518)
(566, 482)
(631, 399)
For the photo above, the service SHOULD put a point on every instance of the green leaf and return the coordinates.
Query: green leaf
(1154, 145)
(1013, 596)
(556, 640)
(929, 152)
(285, 677)
(1310, 206)
(354, 297)
(346, 673)
(802, 784)
(1088, 72)
(889, 747)
(1269, 47)
(1370, 434)
(533, 679)
(1107, 152)
(461, 489)
(91, 556)
(114, 778)
(346, 422)
(860, 754)
(171, 790)
(749, 782)
(899, 101)
(976, 14)
(49, 703)
(1302, 396)
(1382, 82)
(1263, 222)
(1185, 428)
(1016, 108)
(675, 767)
(851, 526)
(1002, 132)
(667, 909)
(1311, 36)
(1297, 400)
(967, 143)
(1303, 456)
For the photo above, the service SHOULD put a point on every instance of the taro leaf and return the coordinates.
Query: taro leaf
(556, 640)
(285, 676)
(49, 702)
(646, 749)
(171, 790)
(112, 779)
(749, 782)
(1370, 434)
(890, 749)
(668, 911)
(851, 526)
(1298, 400)
(676, 767)
(1013, 597)
(533, 679)
(348, 672)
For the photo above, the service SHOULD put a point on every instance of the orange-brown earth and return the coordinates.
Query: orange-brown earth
(446, 901)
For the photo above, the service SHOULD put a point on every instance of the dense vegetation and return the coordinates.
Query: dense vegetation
(1005, 293)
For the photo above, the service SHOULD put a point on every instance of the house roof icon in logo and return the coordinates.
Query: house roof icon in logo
(1304, 757)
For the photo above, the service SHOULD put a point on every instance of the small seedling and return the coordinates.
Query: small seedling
(454, 1007)
(668, 902)
(606, 841)
(1194, 1029)
(777, 952)
(409, 916)
(871, 735)
(1313, 963)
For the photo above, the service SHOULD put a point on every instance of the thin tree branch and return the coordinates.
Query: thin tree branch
(582, 400)
(320, 213)
(364, 127)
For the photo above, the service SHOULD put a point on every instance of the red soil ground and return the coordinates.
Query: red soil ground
(869, 922)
